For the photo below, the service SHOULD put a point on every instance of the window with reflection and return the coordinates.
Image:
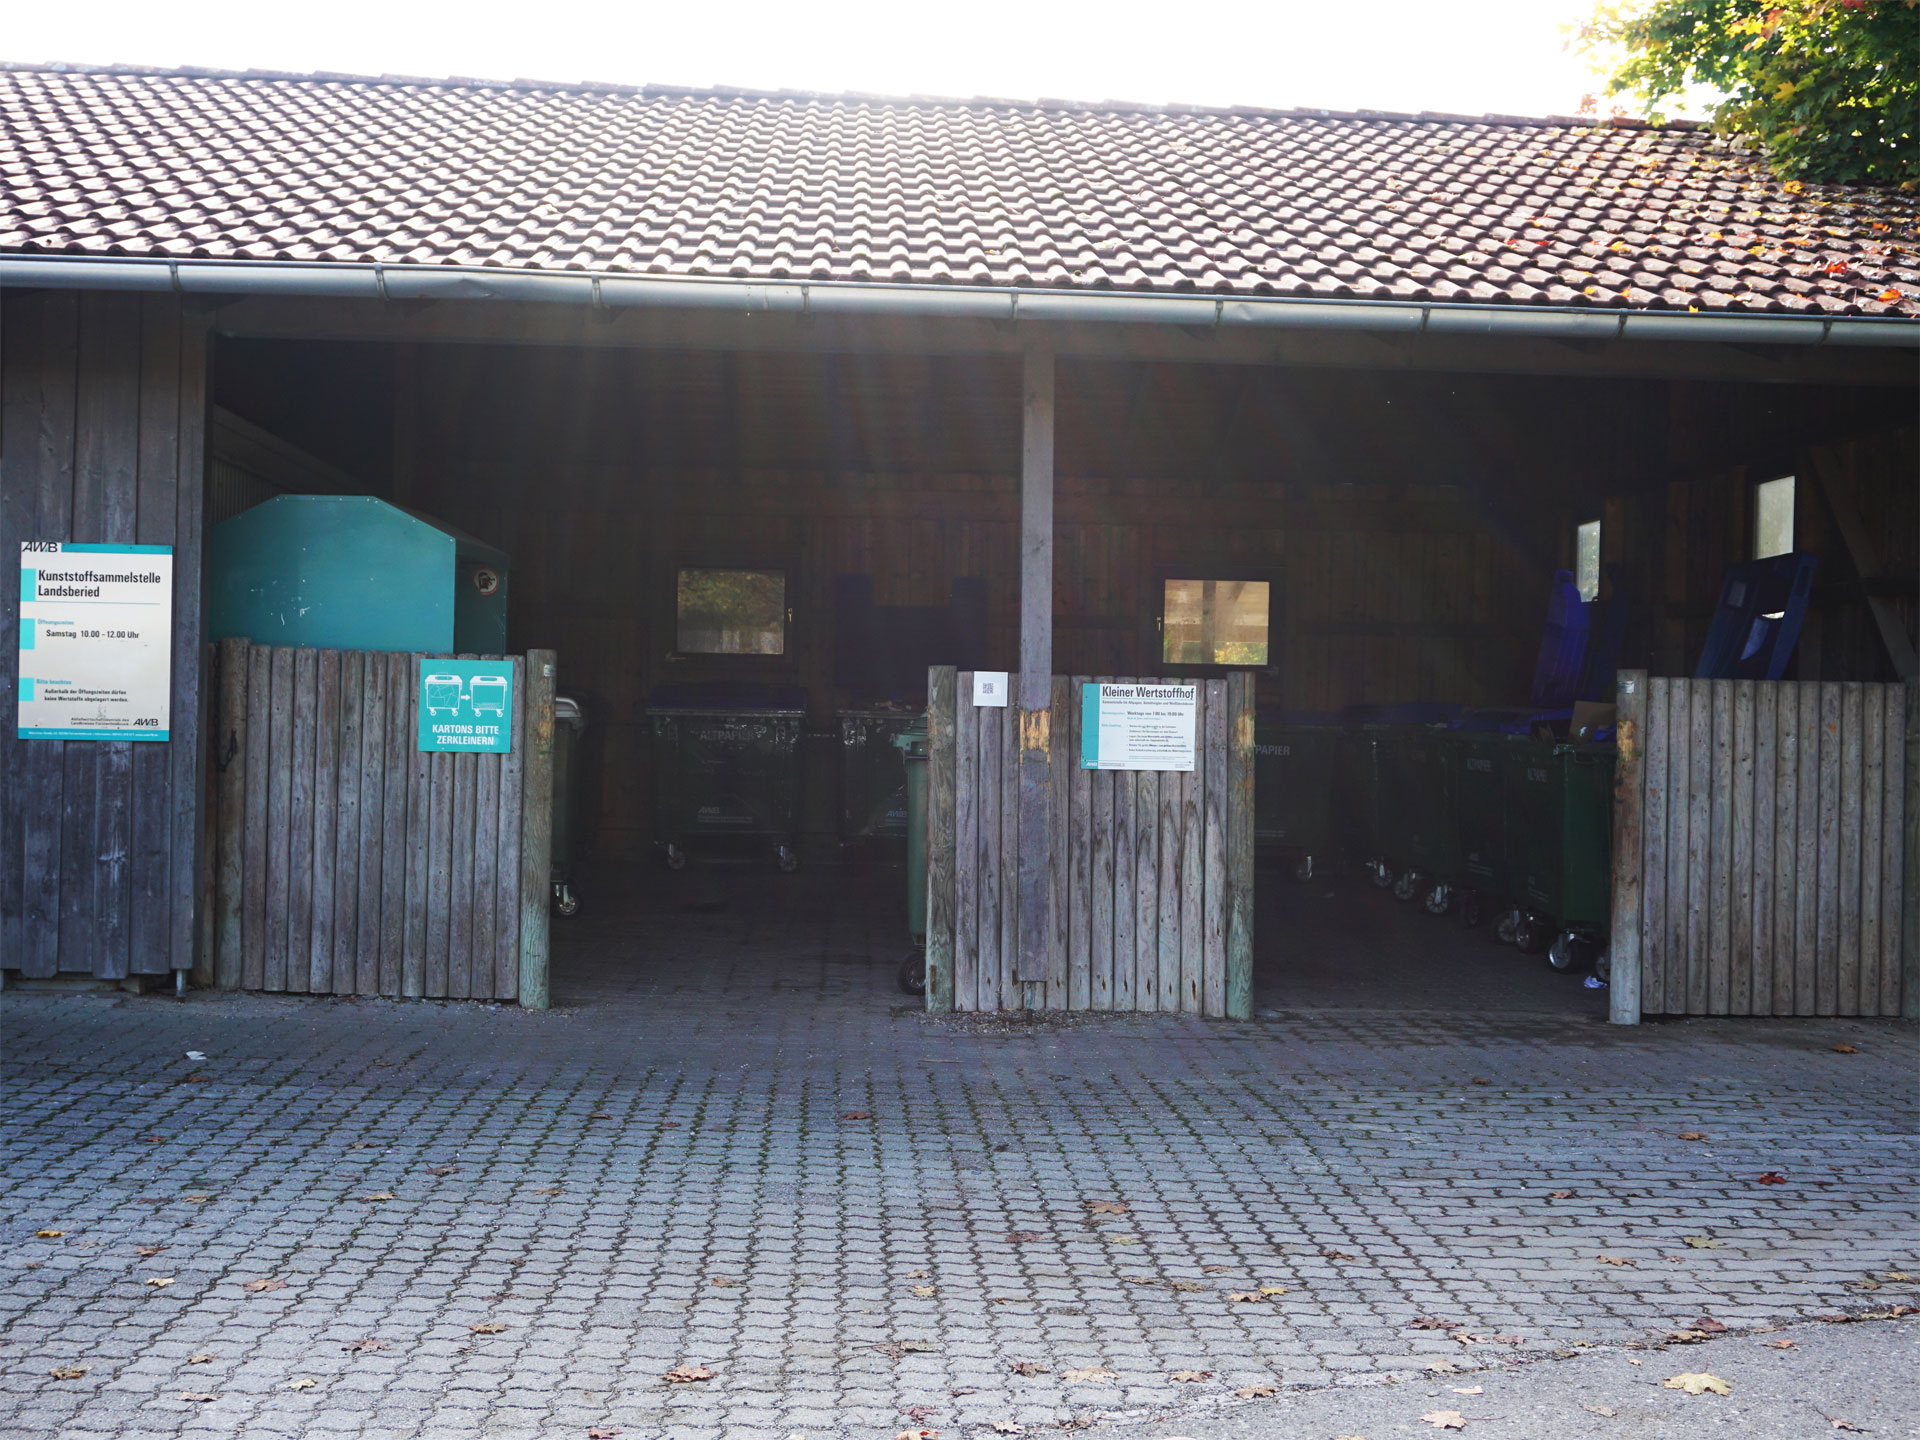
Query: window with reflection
(732, 612)
(1214, 622)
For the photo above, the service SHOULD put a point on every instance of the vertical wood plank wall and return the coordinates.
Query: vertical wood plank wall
(347, 861)
(102, 436)
(1768, 848)
(1150, 893)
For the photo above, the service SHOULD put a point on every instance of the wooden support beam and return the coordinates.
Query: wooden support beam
(1858, 540)
(536, 828)
(1629, 787)
(1036, 664)
(1910, 866)
(942, 718)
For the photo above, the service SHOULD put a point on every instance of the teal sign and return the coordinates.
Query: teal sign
(466, 705)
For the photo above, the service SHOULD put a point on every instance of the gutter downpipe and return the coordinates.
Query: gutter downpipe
(607, 294)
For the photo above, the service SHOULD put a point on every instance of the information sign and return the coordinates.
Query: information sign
(466, 705)
(1137, 726)
(96, 641)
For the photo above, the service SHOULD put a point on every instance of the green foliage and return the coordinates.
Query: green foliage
(1831, 88)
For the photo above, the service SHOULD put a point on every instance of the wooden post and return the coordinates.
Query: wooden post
(1629, 792)
(536, 828)
(1240, 846)
(1910, 866)
(1036, 667)
(941, 835)
(230, 764)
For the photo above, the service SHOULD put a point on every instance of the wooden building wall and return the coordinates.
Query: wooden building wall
(102, 434)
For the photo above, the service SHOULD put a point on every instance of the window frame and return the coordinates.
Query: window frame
(783, 662)
(1791, 478)
(1599, 522)
(1155, 634)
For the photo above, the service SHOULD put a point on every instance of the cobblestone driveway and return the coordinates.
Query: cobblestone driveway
(730, 1149)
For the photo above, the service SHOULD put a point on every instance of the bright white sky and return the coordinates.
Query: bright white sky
(1474, 56)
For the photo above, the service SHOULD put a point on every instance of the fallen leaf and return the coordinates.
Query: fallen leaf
(1190, 1377)
(1189, 1285)
(196, 1397)
(599, 1115)
(1429, 1322)
(1845, 1049)
(1445, 1419)
(856, 1115)
(1607, 1410)
(1707, 1325)
(1890, 296)
(600, 1432)
(1009, 1427)
(379, 1195)
(305, 1382)
(1021, 1237)
(1898, 1276)
(1215, 1269)
(918, 1414)
(159, 1282)
(1123, 1239)
(1469, 1389)
(1092, 1375)
(260, 1287)
(683, 1374)
(364, 1347)
(197, 1198)
(1244, 1297)
(1256, 1392)
(1442, 1367)
(1559, 1195)
(148, 1251)
(441, 1169)
(922, 1291)
(1107, 1207)
(1273, 1289)
(1837, 1423)
(1631, 1360)
(1780, 1344)
(35, 1264)
(897, 1348)
(1693, 1134)
(548, 1190)
(1705, 1242)
(152, 1139)
(1335, 1255)
(916, 1275)
(916, 1435)
(1026, 1367)
(489, 1327)
(1772, 1177)
(205, 1357)
(1863, 1284)
(724, 1282)
(1613, 1260)
(1699, 1383)
(48, 1234)
(69, 1372)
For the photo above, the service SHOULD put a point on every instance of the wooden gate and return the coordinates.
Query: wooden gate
(1150, 873)
(347, 861)
(1761, 848)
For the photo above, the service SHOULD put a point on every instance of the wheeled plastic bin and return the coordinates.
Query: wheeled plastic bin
(569, 720)
(1477, 781)
(1294, 767)
(1360, 828)
(1420, 841)
(1560, 822)
(873, 785)
(911, 743)
(726, 769)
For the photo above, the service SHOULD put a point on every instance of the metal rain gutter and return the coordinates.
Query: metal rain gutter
(622, 292)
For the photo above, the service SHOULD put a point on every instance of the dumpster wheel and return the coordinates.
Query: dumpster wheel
(1381, 873)
(1473, 908)
(676, 857)
(1407, 886)
(1506, 928)
(1439, 899)
(1532, 935)
(913, 972)
(788, 861)
(1303, 872)
(565, 902)
(1571, 951)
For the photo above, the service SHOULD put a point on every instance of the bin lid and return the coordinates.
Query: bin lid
(567, 711)
(724, 696)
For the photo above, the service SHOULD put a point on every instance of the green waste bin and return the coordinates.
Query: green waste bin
(1561, 827)
(1294, 765)
(569, 720)
(873, 789)
(911, 741)
(1477, 783)
(1360, 797)
(1419, 839)
(726, 769)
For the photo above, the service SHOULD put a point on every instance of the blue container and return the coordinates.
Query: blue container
(348, 572)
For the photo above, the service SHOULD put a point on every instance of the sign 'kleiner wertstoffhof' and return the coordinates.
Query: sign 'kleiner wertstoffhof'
(96, 641)
(1137, 727)
(466, 705)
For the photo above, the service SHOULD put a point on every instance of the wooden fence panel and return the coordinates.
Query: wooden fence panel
(346, 855)
(1769, 856)
(1141, 878)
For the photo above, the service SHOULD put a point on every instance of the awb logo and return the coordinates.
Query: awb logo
(1536, 775)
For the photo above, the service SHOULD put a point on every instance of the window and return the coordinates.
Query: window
(1214, 622)
(732, 612)
(1586, 560)
(1773, 517)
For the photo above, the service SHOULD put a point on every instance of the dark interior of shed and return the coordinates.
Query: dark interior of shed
(1409, 524)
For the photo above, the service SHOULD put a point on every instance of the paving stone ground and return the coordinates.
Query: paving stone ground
(732, 1145)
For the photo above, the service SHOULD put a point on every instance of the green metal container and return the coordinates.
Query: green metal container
(1294, 770)
(1561, 824)
(873, 788)
(726, 775)
(911, 742)
(568, 723)
(1360, 827)
(1420, 841)
(1477, 785)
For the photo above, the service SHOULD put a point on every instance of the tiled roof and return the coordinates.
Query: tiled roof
(185, 165)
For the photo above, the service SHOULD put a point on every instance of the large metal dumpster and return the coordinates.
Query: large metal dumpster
(1359, 796)
(911, 742)
(1420, 841)
(1561, 824)
(726, 769)
(1477, 782)
(569, 720)
(1294, 766)
(873, 784)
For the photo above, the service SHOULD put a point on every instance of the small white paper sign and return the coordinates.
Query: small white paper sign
(990, 687)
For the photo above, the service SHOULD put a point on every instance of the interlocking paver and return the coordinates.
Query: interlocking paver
(1343, 1155)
